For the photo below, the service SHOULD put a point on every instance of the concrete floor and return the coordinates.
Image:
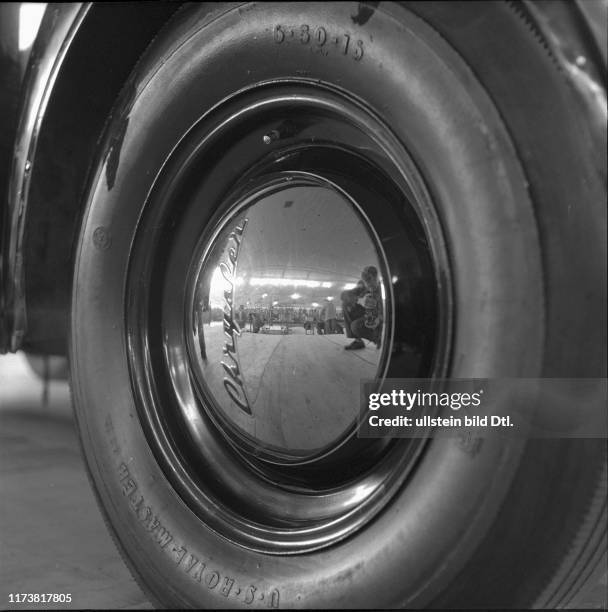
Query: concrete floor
(52, 536)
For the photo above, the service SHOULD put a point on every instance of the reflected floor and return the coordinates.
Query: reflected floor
(303, 389)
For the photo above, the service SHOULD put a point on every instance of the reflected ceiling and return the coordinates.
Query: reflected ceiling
(300, 246)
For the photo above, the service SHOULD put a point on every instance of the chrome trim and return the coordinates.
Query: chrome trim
(233, 382)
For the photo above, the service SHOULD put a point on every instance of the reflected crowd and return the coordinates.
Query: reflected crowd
(359, 315)
(326, 319)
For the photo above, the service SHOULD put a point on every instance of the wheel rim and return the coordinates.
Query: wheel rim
(280, 132)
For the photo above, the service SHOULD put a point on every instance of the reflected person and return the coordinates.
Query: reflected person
(329, 316)
(362, 308)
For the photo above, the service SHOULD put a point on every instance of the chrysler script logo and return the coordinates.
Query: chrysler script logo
(233, 382)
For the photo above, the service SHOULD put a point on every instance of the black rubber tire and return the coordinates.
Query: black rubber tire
(504, 524)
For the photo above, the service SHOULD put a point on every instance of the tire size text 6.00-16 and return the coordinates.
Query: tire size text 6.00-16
(320, 38)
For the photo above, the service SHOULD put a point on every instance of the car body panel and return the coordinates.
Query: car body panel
(80, 60)
(57, 31)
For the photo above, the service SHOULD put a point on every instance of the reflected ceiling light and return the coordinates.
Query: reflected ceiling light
(295, 296)
(264, 295)
(350, 286)
(30, 16)
(257, 281)
(274, 303)
(315, 304)
(217, 286)
(330, 298)
(326, 285)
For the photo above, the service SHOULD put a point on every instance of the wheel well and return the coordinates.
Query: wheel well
(103, 53)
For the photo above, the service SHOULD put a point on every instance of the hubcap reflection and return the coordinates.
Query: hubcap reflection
(289, 315)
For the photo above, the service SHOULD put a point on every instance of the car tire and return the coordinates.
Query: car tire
(510, 194)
